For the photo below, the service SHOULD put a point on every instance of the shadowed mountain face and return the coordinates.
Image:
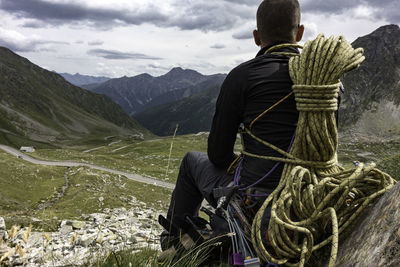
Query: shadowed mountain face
(193, 114)
(371, 103)
(135, 94)
(40, 105)
(79, 80)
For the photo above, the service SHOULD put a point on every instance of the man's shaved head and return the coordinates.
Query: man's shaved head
(278, 20)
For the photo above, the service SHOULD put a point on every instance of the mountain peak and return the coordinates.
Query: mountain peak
(389, 27)
(386, 30)
(176, 69)
(179, 73)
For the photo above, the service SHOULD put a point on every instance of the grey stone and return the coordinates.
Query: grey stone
(133, 239)
(86, 240)
(98, 217)
(65, 229)
(2, 224)
(92, 231)
(374, 239)
(65, 222)
(377, 235)
(78, 224)
(118, 232)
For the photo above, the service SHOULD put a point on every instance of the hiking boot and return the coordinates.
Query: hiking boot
(170, 248)
(166, 240)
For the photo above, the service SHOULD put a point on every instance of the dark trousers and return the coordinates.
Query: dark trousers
(196, 180)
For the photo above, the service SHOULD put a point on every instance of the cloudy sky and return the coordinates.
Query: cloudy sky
(127, 37)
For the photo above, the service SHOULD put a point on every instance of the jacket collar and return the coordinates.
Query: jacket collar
(287, 49)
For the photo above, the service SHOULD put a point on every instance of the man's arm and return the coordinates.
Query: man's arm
(227, 117)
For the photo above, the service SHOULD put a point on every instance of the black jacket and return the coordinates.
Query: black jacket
(247, 91)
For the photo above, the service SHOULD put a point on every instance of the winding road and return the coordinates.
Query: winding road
(130, 176)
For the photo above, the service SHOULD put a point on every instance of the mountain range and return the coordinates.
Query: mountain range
(79, 79)
(41, 106)
(138, 93)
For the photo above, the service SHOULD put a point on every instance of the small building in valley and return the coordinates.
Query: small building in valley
(27, 149)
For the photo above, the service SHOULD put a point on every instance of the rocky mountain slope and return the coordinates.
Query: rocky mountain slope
(371, 103)
(40, 105)
(79, 79)
(134, 93)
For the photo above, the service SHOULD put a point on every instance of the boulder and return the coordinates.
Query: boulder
(78, 225)
(375, 240)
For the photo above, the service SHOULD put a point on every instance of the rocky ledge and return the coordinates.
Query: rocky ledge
(78, 242)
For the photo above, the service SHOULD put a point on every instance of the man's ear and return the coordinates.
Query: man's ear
(257, 38)
(300, 32)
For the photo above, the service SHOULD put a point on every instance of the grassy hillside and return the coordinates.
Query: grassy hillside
(29, 193)
(40, 105)
(149, 157)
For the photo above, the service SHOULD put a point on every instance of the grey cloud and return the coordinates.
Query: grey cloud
(245, 2)
(206, 16)
(188, 15)
(332, 7)
(152, 66)
(94, 43)
(29, 45)
(114, 54)
(244, 34)
(218, 46)
(34, 24)
(384, 9)
(62, 12)
(388, 9)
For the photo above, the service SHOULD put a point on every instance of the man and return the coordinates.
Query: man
(247, 91)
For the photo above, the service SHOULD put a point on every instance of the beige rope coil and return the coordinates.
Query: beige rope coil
(316, 199)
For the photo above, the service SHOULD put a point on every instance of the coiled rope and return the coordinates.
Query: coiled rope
(316, 199)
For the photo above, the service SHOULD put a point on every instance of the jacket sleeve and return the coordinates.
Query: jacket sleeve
(226, 121)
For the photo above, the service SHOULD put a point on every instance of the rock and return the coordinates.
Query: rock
(121, 217)
(374, 239)
(101, 232)
(78, 224)
(2, 224)
(65, 222)
(86, 240)
(98, 217)
(65, 229)
(92, 231)
(133, 240)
